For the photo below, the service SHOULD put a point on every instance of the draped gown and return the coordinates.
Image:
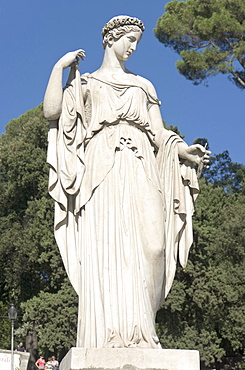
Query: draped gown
(122, 214)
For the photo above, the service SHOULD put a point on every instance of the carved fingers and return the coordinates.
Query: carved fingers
(198, 154)
(71, 57)
(80, 54)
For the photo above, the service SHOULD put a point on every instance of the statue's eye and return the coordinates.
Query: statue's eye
(132, 38)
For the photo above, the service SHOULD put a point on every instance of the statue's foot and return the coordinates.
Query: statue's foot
(115, 345)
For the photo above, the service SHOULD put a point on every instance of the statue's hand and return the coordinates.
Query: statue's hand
(198, 154)
(71, 57)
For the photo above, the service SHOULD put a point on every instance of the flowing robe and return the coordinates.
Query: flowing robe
(122, 214)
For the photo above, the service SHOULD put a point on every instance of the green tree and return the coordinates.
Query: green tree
(205, 308)
(209, 35)
(32, 274)
(29, 256)
(53, 318)
(5, 331)
(222, 171)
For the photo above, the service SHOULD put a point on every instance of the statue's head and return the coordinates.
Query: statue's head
(120, 25)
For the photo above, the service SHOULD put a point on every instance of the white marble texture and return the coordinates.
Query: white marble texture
(130, 359)
(122, 211)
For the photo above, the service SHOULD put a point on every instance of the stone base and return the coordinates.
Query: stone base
(130, 359)
(20, 360)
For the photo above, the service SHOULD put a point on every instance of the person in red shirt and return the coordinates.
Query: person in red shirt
(40, 363)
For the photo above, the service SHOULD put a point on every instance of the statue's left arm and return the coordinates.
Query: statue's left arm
(194, 153)
(179, 188)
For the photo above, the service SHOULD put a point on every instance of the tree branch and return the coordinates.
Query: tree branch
(229, 42)
(240, 60)
(200, 46)
(239, 79)
(213, 44)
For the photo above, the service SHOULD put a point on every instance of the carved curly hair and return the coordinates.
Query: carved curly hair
(119, 26)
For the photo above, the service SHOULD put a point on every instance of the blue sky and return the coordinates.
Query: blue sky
(36, 33)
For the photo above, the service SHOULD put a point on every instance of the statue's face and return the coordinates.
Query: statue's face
(126, 45)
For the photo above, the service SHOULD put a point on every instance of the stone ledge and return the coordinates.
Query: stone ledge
(130, 359)
(20, 360)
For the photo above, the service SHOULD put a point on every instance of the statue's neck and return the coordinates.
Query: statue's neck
(112, 63)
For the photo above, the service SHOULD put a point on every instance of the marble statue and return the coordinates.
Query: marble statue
(124, 190)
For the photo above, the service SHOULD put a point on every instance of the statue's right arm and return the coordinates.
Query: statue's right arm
(52, 104)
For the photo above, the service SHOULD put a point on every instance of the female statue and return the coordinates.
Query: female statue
(124, 189)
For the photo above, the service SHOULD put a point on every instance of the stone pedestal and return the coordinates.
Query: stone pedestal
(130, 359)
(20, 360)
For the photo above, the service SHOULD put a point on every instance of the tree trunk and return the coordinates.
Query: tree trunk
(31, 347)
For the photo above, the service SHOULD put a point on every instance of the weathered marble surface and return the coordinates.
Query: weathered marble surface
(122, 213)
(130, 359)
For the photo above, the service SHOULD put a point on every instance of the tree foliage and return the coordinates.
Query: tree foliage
(205, 308)
(54, 318)
(5, 327)
(222, 171)
(209, 35)
(30, 262)
(28, 251)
